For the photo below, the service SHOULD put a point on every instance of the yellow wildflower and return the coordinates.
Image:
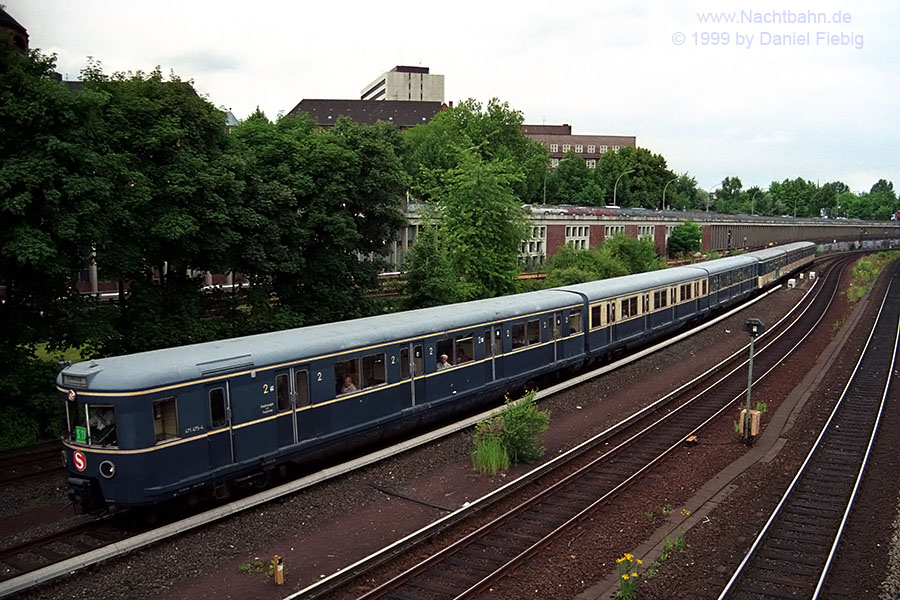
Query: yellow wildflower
(618, 560)
(640, 562)
(634, 574)
(625, 576)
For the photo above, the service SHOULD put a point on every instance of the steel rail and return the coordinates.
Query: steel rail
(815, 452)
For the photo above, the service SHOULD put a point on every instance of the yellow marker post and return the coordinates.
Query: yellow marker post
(279, 570)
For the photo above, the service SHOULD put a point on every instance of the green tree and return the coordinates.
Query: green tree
(685, 239)
(52, 184)
(494, 132)
(637, 256)
(430, 277)
(570, 265)
(484, 224)
(314, 203)
(642, 176)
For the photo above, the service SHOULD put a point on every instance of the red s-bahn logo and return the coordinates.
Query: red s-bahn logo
(79, 460)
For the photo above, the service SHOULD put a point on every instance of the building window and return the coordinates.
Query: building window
(554, 162)
(615, 148)
(645, 232)
(579, 148)
(612, 230)
(554, 147)
(566, 148)
(592, 149)
(592, 163)
(603, 148)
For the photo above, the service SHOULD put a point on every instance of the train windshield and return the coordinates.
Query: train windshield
(91, 424)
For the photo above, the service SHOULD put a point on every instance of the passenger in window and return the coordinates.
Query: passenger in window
(103, 424)
(348, 385)
(443, 362)
(462, 357)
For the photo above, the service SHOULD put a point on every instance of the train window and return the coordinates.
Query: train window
(696, 288)
(373, 370)
(418, 360)
(498, 342)
(685, 292)
(518, 335)
(629, 307)
(556, 327)
(301, 387)
(533, 332)
(660, 299)
(218, 416)
(645, 303)
(102, 425)
(673, 295)
(596, 316)
(283, 392)
(611, 312)
(445, 347)
(575, 322)
(704, 287)
(465, 348)
(404, 363)
(342, 371)
(165, 419)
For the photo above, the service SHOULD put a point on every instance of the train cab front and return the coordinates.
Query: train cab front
(90, 444)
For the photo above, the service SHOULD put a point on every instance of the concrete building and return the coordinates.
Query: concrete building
(559, 140)
(406, 84)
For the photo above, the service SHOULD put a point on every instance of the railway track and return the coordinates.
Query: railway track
(590, 477)
(28, 556)
(41, 460)
(792, 555)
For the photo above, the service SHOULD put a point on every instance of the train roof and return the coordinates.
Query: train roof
(630, 284)
(767, 253)
(166, 366)
(728, 263)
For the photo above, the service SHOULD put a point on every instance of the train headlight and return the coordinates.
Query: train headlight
(107, 469)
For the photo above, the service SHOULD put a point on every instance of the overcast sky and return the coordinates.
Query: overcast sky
(825, 111)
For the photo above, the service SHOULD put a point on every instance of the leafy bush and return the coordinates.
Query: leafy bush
(522, 424)
(511, 436)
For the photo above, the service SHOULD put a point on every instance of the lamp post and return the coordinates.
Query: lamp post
(664, 192)
(709, 193)
(616, 185)
(754, 327)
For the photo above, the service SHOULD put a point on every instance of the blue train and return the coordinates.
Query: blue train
(152, 426)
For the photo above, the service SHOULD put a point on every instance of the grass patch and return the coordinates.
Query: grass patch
(865, 271)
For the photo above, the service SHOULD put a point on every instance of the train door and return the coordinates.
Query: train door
(497, 351)
(220, 436)
(412, 367)
(300, 397)
(285, 423)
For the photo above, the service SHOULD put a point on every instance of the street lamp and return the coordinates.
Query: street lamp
(754, 327)
(616, 185)
(664, 192)
(709, 193)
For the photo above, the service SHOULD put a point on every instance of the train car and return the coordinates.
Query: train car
(195, 420)
(778, 261)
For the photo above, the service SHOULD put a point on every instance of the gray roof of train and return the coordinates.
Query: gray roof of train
(629, 284)
(768, 253)
(166, 366)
